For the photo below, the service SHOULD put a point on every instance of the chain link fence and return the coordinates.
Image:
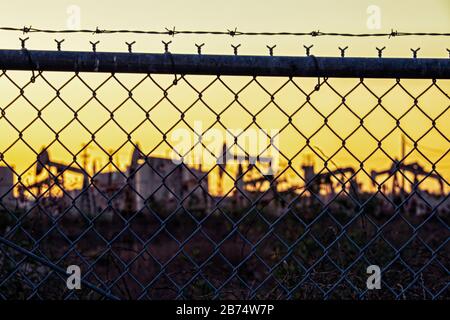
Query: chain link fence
(166, 176)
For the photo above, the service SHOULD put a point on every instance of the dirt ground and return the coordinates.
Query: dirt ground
(309, 252)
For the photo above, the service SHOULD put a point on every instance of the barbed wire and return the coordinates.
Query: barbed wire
(234, 32)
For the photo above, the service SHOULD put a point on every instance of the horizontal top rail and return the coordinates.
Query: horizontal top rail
(235, 65)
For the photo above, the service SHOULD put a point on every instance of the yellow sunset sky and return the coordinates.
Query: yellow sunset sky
(250, 15)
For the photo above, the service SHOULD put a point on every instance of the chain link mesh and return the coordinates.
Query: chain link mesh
(87, 179)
